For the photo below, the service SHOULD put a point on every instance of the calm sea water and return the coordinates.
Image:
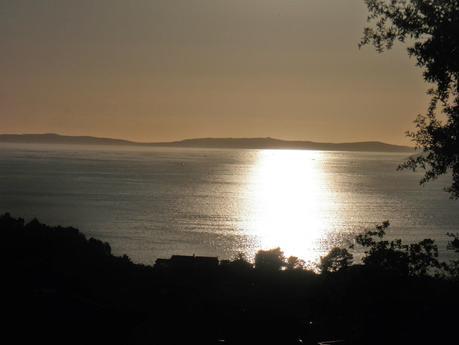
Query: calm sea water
(154, 202)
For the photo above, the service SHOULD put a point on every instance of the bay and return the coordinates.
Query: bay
(155, 202)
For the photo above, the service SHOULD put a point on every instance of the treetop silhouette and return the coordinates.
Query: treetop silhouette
(430, 29)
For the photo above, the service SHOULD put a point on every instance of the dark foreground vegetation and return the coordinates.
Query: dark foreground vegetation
(430, 31)
(61, 288)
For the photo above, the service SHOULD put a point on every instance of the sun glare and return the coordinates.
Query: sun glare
(289, 201)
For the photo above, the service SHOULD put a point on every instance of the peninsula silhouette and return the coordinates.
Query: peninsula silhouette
(220, 143)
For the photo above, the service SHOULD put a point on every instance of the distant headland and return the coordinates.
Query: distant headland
(236, 143)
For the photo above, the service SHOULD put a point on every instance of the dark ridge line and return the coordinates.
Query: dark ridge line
(222, 143)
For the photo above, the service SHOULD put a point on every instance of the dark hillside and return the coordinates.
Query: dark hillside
(60, 287)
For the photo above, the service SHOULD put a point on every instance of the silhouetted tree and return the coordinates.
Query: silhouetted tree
(241, 262)
(454, 243)
(431, 30)
(295, 263)
(394, 256)
(270, 260)
(335, 260)
(60, 285)
(453, 266)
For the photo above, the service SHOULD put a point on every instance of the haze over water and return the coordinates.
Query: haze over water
(155, 202)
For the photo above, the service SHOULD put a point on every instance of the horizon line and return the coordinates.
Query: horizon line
(200, 138)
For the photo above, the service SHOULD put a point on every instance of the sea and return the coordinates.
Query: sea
(151, 203)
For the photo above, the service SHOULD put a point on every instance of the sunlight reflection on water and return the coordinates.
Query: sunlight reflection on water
(156, 202)
(290, 200)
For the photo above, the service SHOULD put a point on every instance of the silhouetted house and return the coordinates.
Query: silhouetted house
(182, 261)
(206, 262)
(186, 262)
(160, 263)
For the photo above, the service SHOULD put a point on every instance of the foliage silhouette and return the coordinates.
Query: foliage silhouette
(416, 259)
(270, 260)
(336, 260)
(454, 243)
(452, 268)
(240, 263)
(431, 30)
(58, 286)
(294, 263)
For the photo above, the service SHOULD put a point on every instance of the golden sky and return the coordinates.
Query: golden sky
(158, 70)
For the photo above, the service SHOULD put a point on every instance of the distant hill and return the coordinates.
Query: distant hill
(239, 143)
(51, 138)
(271, 143)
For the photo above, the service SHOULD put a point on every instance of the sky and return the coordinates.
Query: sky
(160, 70)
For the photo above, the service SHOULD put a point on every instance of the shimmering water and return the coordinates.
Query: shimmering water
(154, 202)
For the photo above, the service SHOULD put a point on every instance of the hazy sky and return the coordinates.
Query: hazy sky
(154, 70)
